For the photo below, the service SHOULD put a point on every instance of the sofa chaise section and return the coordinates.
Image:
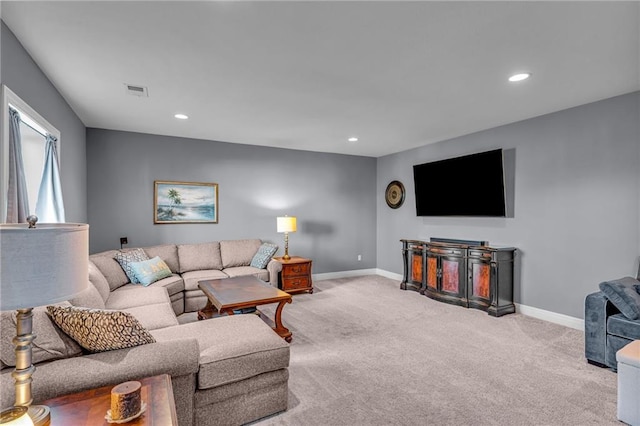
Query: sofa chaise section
(243, 372)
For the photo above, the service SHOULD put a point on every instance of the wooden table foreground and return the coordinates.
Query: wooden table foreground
(90, 407)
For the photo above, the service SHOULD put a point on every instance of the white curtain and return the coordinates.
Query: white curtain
(17, 200)
(50, 207)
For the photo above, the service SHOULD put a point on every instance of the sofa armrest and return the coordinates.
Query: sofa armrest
(51, 379)
(274, 267)
(597, 309)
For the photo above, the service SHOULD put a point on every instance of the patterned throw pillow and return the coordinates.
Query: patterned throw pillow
(100, 330)
(264, 255)
(126, 258)
(150, 271)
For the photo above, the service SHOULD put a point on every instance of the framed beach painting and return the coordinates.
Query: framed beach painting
(185, 202)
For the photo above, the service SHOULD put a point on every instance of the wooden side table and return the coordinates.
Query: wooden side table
(295, 276)
(89, 407)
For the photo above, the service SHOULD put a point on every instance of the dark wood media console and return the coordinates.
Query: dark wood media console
(460, 273)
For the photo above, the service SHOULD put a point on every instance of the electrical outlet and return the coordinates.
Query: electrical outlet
(359, 257)
(123, 241)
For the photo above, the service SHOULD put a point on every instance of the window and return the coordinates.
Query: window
(34, 130)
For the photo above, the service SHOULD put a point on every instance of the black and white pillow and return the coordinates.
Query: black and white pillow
(126, 258)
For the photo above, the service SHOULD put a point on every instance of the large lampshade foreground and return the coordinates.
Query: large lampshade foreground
(286, 224)
(42, 265)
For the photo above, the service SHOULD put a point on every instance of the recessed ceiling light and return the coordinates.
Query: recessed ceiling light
(181, 116)
(353, 139)
(519, 77)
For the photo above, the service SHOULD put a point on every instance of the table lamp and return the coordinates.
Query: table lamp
(286, 224)
(39, 265)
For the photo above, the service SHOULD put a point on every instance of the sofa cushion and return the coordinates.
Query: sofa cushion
(154, 316)
(110, 268)
(88, 298)
(622, 326)
(197, 257)
(99, 330)
(132, 295)
(99, 281)
(240, 271)
(166, 252)
(251, 348)
(127, 258)
(263, 255)
(238, 252)
(50, 342)
(173, 285)
(191, 278)
(622, 294)
(149, 271)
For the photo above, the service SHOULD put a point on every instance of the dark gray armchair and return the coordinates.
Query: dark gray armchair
(611, 320)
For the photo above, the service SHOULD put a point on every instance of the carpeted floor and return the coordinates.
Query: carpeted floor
(365, 352)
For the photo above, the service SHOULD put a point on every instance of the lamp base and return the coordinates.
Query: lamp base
(286, 257)
(40, 415)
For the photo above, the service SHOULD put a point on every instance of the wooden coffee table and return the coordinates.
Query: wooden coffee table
(89, 407)
(229, 294)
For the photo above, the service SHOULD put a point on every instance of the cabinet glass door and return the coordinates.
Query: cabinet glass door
(416, 267)
(480, 279)
(432, 272)
(451, 275)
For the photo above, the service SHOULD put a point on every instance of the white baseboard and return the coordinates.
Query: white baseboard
(344, 274)
(390, 275)
(554, 317)
(357, 273)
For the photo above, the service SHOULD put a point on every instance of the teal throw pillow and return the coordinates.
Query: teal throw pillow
(622, 293)
(264, 255)
(150, 271)
(126, 258)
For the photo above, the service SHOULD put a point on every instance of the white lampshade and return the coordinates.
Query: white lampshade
(287, 224)
(42, 265)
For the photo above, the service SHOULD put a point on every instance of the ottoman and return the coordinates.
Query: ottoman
(628, 359)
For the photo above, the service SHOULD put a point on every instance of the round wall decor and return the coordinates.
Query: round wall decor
(394, 194)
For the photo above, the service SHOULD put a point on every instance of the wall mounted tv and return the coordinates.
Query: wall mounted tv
(471, 185)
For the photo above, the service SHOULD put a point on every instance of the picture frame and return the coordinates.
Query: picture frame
(184, 202)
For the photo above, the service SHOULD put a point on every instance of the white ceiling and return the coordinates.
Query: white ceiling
(308, 75)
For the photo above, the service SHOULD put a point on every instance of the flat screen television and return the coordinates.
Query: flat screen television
(471, 185)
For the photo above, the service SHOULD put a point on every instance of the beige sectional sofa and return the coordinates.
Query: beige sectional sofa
(225, 371)
(191, 263)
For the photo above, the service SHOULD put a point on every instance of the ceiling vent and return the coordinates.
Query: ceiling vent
(136, 90)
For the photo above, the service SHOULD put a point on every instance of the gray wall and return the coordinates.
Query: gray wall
(332, 195)
(576, 198)
(22, 75)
